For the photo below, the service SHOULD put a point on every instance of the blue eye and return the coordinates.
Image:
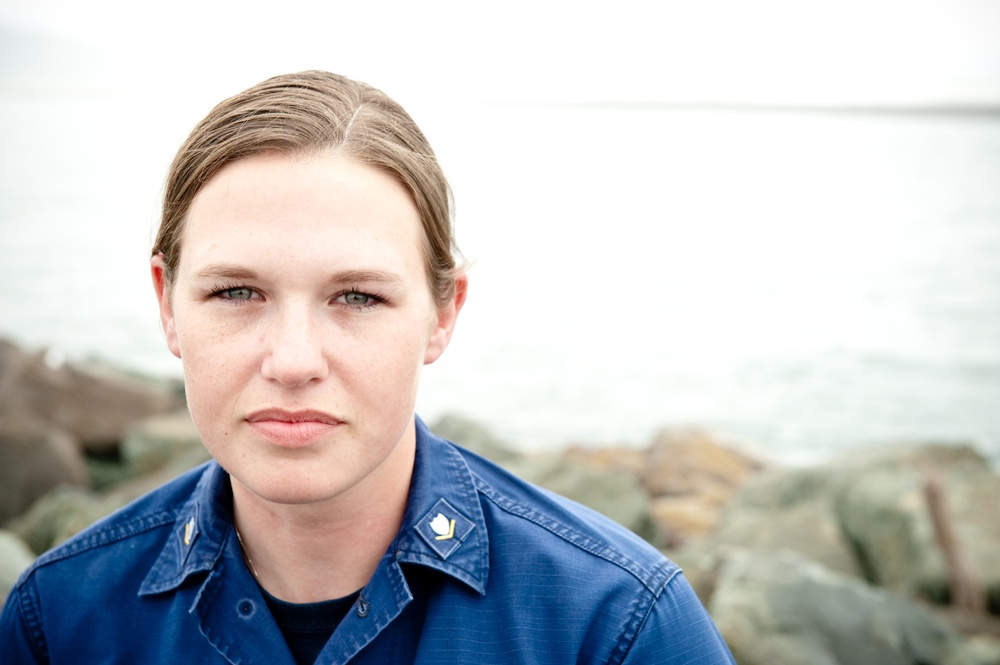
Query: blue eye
(234, 293)
(357, 299)
(238, 293)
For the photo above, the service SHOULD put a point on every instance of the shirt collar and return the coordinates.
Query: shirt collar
(443, 528)
(198, 535)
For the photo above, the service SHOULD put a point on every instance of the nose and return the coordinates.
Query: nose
(295, 354)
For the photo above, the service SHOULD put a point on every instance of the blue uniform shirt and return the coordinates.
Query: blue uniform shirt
(485, 569)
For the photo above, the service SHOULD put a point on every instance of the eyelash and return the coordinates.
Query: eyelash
(374, 299)
(221, 290)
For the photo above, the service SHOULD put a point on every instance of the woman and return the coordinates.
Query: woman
(304, 271)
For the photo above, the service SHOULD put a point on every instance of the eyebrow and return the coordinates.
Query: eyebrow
(367, 276)
(363, 275)
(225, 271)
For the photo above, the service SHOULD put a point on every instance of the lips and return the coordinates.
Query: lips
(292, 429)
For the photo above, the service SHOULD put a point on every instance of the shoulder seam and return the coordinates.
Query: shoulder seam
(654, 577)
(28, 607)
(628, 641)
(99, 536)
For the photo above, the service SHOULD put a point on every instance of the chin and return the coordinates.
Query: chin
(289, 486)
(297, 494)
(308, 488)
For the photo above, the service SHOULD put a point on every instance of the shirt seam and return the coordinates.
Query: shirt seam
(29, 607)
(653, 578)
(102, 537)
(627, 641)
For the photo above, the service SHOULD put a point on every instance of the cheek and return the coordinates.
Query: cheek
(212, 358)
(391, 363)
(204, 333)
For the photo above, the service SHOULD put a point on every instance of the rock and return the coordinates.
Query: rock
(884, 515)
(787, 509)
(782, 608)
(34, 458)
(866, 515)
(93, 409)
(15, 556)
(682, 520)
(107, 471)
(691, 476)
(153, 442)
(610, 460)
(619, 496)
(67, 510)
(683, 461)
(128, 490)
(983, 650)
(57, 516)
(883, 511)
(474, 437)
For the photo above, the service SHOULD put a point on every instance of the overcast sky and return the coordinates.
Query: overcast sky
(799, 51)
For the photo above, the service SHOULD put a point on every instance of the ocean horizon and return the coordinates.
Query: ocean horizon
(806, 282)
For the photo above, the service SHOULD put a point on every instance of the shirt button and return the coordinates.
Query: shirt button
(245, 608)
(363, 607)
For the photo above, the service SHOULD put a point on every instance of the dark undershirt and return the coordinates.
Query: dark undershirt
(307, 627)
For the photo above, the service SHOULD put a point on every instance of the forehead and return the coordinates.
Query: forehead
(325, 205)
(261, 184)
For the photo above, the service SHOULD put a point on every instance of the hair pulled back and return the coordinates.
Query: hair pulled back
(310, 112)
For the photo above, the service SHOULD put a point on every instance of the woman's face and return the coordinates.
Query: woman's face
(301, 311)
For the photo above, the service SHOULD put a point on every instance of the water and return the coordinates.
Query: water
(805, 282)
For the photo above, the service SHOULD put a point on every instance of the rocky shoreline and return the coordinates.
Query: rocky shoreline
(891, 556)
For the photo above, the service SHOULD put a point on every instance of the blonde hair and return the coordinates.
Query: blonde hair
(309, 112)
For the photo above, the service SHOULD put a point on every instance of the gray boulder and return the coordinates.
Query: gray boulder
(583, 478)
(57, 516)
(983, 649)
(788, 509)
(883, 513)
(94, 409)
(473, 436)
(619, 496)
(867, 516)
(882, 509)
(67, 510)
(154, 441)
(15, 556)
(35, 458)
(782, 608)
(128, 490)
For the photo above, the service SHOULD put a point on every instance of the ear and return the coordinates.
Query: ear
(446, 318)
(158, 269)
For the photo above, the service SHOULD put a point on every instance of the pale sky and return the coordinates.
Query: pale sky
(797, 51)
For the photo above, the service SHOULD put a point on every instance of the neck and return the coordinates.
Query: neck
(305, 553)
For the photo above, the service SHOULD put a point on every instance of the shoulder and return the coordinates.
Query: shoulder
(555, 563)
(102, 566)
(554, 526)
(114, 537)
